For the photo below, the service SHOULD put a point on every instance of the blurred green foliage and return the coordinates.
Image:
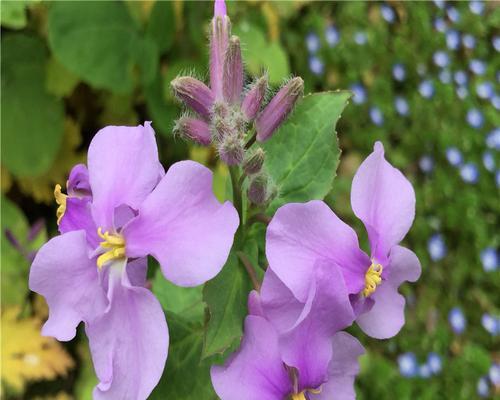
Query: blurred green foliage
(69, 68)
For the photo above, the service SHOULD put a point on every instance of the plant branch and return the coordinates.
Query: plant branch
(250, 269)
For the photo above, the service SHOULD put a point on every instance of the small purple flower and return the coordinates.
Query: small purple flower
(441, 58)
(312, 42)
(121, 209)
(452, 39)
(478, 67)
(496, 43)
(469, 41)
(483, 387)
(469, 173)
(426, 89)
(316, 66)
(359, 92)
(436, 247)
(360, 38)
(462, 92)
(439, 3)
(445, 76)
(399, 72)
(497, 177)
(219, 37)
(376, 116)
(301, 235)
(457, 320)
(332, 35)
(476, 7)
(493, 139)
(494, 374)
(489, 259)
(426, 164)
(485, 90)
(408, 366)
(424, 371)
(453, 14)
(489, 161)
(495, 101)
(434, 362)
(475, 118)
(401, 106)
(387, 13)
(440, 25)
(454, 156)
(460, 77)
(491, 324)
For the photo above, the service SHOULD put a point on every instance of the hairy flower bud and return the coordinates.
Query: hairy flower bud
(194, 94)
(254, 97)
(219, 37)
(278, 108)
(258, 192)
(221, 128)
(232, 78)
(231, 149)
(253, 163)
(193, 129)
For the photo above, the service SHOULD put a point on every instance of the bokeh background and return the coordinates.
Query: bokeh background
(426, 82)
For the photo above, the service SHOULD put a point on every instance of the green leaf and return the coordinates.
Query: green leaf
(100, 43)
(226, 298)
(302, 156)
(13, 13)
(60, 82)
(161, 25)
(32, 119)
(185, 376)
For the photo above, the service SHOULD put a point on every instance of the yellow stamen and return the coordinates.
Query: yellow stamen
(61, 201)
(116, 245)
(315, 391)
(373, 278)
(299, 396)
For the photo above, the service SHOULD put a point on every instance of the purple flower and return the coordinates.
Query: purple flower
(497, 177)
(478, 67)
(496, 42)
(376, 116)
(489, 259)
(332, 35)
(460, 78)
(401, 106)
(316, 66)
(452, 39)
(426, 89)
(489, 161)
(434, 362)
(424, 371)
(399, 72)
(454, 156)
(445, 76)
(441, 58)
(485, 90)
(440, 24)
(301, 235)
(494, 374)
(495, 101)
(476, 7)
(453, 14)
(436, 247)
(491, 324)
(408, 366)
(439, 3)
(360, 38)
(493, 139)
(462, 92)
(475, 118)
(119, 211)
(387, 13)
(469, 41)
(426, 164)
(292, 348)
(457, 320)
(359, 92)
(469, 172)
(312, 42)
(219, 36)
(483, 387)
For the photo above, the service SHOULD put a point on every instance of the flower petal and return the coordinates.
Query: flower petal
(301, 234)
(78, 182)
(183, 226)
(129, 342)
(63, 273)
(256, 370)
(384, 200)
(137, 271)
(123, 169)
(403, 266)
(78, 216)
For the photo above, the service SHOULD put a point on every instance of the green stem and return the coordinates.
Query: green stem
(251, 140)
(237, 199)
(250, 269)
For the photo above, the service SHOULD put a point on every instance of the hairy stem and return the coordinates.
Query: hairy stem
(250, 269)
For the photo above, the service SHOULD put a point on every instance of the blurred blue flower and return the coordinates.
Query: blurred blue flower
(452, 39)
(402, 106)
(453, 14)
(462, 92)
(440, 25)
(316, 66)
(387, 13)
(485, 90)
(360, 38)
(460, 77)
(408, 366)
(359, 93)
(475, 118)
(469, 173)
(312, 42)
(495, 101)
(332, 35)
(441, 58)
(497, 178)
(496, 42)
(426, 89)
(434, 362)
(494, 374)
(445, 76)
(491, 324)
(439, 3)
(483, 388)
(457, 320)
(493, 139)
(376, 116)
(469, 41)
(476, 7)
(436, 247)
(426, 164)
(489, 161)
(454, 156)
(424, 371)
(489, 259)
(399, 72)
(478, 67)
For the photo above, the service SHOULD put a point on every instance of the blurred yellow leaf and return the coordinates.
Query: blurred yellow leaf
(28, 356)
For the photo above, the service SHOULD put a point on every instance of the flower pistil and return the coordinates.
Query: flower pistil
(373, 278)
(116, 245)
(61, 202)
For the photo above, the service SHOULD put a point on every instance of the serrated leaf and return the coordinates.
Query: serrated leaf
(32, 119)
(303, 154)
(226, 298)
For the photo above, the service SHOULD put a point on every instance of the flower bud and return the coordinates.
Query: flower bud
(254, 97)
(219, 36)
(193, 129)
(194, 94)
(278, 109)
(231, 149)
(232, 78)
(221, 128)
(258, 190)
(253, 163)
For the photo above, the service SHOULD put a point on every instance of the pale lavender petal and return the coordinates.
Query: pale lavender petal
(255, 304)
(78, 216)
(219, 37)
(301, 234)
(256, 370)
(123, 169)
(403, 266)
(342, 369)
(78, 182)
(183, 225)
(384, 200)
(129, 342)
(63, 273)
(220, 8)
(137, 271)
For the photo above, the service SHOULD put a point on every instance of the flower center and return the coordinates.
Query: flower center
(61, 202)
(116, 245)
(302, 395)
(373, 278)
